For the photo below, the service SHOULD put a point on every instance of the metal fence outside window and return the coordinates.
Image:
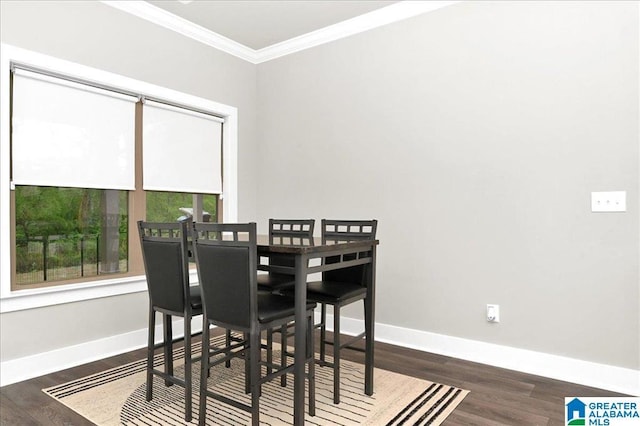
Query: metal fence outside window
(57, 257)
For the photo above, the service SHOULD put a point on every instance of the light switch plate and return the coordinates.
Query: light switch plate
(611, 201)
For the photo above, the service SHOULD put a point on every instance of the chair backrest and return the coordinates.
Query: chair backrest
(289, 230)
(164, 250)
(227, 260)
(291, 227)
(347, 230)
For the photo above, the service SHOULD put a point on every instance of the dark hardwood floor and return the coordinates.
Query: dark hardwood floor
(497, 397)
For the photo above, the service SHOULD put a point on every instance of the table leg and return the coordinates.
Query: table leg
(369, 313)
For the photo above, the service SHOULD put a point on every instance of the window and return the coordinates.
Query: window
(182, 163)
(73, 209)
(134, 202)
(72, 157)
(80, 141)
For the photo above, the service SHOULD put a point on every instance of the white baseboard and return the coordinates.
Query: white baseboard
(17, 370)
(602, 376)
(617, 379)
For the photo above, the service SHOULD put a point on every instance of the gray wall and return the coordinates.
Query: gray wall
(475, 135)
(99, 36)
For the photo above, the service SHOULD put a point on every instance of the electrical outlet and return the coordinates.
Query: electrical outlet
(612, 201)
(493, 313)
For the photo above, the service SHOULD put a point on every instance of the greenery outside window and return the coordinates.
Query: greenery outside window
(172, 206)
(69, 233)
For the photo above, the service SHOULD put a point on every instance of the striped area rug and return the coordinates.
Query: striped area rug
(117, 397)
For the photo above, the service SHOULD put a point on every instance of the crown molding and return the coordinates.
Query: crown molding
(161, 17)
(377, 18)
(383, 16)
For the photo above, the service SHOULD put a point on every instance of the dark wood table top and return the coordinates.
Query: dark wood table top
(298, 245)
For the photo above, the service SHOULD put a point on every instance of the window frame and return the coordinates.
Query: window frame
(15, 300)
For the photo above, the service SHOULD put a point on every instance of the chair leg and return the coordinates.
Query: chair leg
(150, 352)
(247, 364)
(254, 364)
(323, 331)
(283, 353)
(269, 350)
(168, 347)
(336, 354)
(187, 368)
(227, 363)
(204, 373)
(312, 370)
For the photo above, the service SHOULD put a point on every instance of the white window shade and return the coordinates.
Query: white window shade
(181, 150)
(67, 134)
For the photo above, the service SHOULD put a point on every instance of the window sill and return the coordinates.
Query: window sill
(49, 296)
(37, 298)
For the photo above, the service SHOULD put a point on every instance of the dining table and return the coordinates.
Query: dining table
(311, 256)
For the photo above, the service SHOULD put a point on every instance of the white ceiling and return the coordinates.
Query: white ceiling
(262, 30)
(258, 23)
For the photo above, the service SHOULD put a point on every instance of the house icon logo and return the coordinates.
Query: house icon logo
(576, 412)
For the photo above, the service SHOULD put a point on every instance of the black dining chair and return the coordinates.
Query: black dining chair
(227, 261)
(338, 288)
(287, 231)
(165, 254)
